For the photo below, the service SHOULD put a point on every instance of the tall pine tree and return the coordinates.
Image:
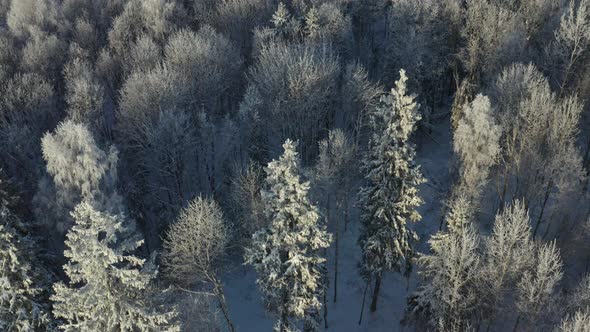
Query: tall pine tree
(287, 253)
(390, 198)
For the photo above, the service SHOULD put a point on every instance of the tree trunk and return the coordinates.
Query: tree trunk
(284, 325)
(375, 294)
(345, 212)
(586, 162)
(336, 236)
(516, 324)
(326, 309)
(547, 192)
(442, 221)
(504, 187)
(223, 304)
(363, 305)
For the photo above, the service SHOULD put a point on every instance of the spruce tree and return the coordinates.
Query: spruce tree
(390, 198)
(109, 287)
(287, 253)
(280, 19)
(21, 279)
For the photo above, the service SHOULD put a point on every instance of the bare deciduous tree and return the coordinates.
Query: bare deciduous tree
(195, 246)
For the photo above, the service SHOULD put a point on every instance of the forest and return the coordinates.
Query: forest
(294, 165)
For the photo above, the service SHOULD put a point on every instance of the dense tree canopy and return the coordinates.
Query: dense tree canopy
(294, 144)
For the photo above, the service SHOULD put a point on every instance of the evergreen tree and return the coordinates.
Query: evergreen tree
(458, 214)
(312, 24)
(21, 306)
(390, 198)
(280, 19)
(109, 288)
(286, 254)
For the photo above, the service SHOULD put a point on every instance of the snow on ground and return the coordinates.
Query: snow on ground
(245, 302)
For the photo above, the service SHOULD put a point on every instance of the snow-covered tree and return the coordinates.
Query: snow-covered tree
(333, 174)
(312, 24)
(451, 275)
(21, 306)
(287, 253)
(476, 142)
(155, 17)
(541, 161)
(247, 204)
(507, 255)
(359, 95)
(335, 167)
(280, 19)
(26, 16)
(238, 18)
(109, 288)
(145, 54)
(78, 170)
(44, 54)
(420, 37)
(28, 99)
(195, 246)
(85, 96)
(580, 297)
(494, 37)
(579, 322)
(390, 198)
(298, 86)
(209, 63)
(27, 110)
(536, 288)
(572, 44)
(459, 214)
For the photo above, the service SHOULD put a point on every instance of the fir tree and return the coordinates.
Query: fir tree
(286, 254)
(109, 287)
(459, 214)
(280, 19)
(312, 23)
(390, 197)
(21, 306)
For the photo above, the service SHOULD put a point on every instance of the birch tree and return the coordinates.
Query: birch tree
(476, 143)
(536, 288)
(195, 246)
(449, 294)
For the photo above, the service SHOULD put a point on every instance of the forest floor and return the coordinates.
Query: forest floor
(247, 310)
